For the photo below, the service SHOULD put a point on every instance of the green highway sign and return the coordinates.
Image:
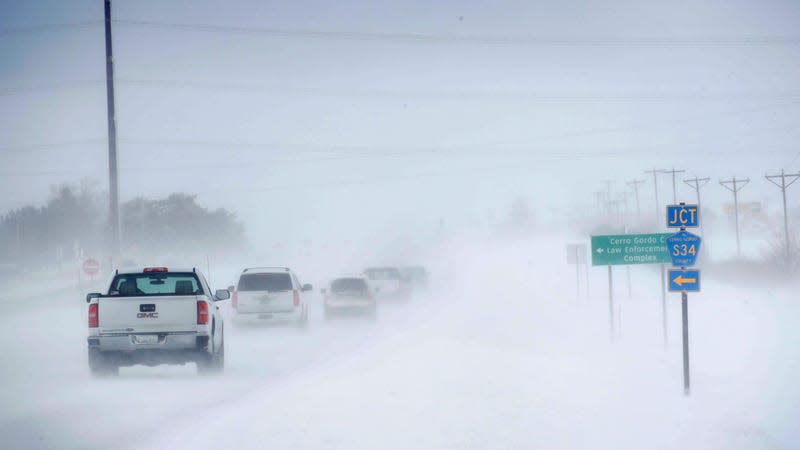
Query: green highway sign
(625, 249)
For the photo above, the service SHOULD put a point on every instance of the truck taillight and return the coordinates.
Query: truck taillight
(155, 269)
(202, 312)
(235, 299)
(296, 298)
(94, 318)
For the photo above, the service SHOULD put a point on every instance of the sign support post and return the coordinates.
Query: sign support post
(683, 249)
(610, 304)
(627, 249)
(664, 328)
(586, 269)
(685, 314)
(577, 277)
(576, 254)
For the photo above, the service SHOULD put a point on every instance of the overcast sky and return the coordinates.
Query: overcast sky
(302, 116)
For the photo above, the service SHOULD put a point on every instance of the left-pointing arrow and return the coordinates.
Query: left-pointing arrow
(680, 280)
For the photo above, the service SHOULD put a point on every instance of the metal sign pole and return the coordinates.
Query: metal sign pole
(685, 320)
(577, 277)
(684, 248)
(685, 313)
(664, 307)
(610, 304)
(586, 268)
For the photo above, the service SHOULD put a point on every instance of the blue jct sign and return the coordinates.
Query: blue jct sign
(684, 280)
(683, 248)
(683, 216)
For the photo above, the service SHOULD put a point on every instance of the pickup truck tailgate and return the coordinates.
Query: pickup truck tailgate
(147, 314)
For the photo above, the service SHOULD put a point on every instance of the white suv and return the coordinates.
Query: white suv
(270, 294)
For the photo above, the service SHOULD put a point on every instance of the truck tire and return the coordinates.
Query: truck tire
(211, 363)
(302, 322)
(373, 313)
(100, 365)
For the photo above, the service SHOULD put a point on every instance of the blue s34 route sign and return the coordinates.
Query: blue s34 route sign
(683, 248)
(686, 216)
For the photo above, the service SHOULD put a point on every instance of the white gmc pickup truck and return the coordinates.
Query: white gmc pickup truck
(153, 316)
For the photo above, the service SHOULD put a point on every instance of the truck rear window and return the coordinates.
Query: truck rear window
(383, 273)
(272, 282)
(161, 284)
(349, 286)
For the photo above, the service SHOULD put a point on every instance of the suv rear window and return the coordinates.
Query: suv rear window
(383, 273)
(272, 282)
(156, 283)
(344, 285)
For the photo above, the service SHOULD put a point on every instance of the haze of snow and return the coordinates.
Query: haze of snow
(499, 354)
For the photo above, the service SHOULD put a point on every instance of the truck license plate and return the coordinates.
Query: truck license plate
(145, 339)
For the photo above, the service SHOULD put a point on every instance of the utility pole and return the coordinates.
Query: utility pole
(609, 202)
(634, 184)
(735, 185)
(655, 173)
(674, 189)
(113, 183)
(783, 176)
(696, 184)
(599, 199)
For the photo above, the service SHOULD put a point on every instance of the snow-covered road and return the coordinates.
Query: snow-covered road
(499, 355)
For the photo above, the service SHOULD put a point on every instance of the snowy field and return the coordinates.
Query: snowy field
(499, 354)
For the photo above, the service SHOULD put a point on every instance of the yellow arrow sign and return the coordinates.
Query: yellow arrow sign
(679, 280)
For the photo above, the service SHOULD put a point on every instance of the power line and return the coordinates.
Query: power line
(455, 94)
(439, 38)
(49, 27)
(43, 88)
(24, 148)
(260, 164)
(450, 94)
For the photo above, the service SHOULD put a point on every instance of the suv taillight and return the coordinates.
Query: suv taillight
(296, 298)
(235, 299)
(202, 312)
(94, 318)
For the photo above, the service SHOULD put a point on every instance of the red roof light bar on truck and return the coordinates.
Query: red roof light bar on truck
(155, 269)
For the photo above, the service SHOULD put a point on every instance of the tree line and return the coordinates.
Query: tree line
(73, 223)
